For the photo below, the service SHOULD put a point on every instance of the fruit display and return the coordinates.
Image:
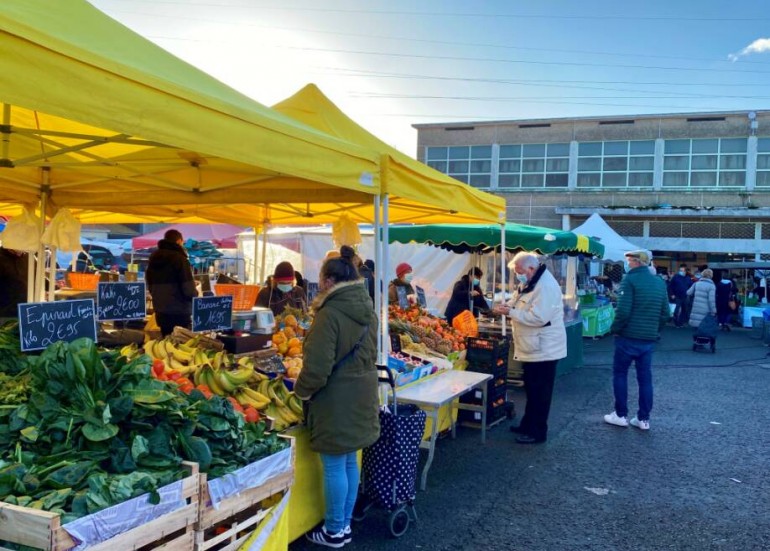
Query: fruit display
(280, 405)
(293, 367)
(434, 334)
(287, 340)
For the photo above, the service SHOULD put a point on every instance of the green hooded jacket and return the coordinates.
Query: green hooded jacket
(343, 413)
(642, 308)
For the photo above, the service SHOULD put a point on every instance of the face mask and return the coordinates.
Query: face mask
(408, 278)
(698, 276)
(681, 272)
(521, 278)
(285, 287)
(626, 266)
(476, 282)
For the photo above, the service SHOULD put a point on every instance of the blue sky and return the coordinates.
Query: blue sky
(393, 64)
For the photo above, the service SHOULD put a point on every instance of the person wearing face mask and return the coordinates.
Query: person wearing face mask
(338, 384)
(539, 340)
(283, 292)
(677, 292)
(403, 279)
(467, 295)
(170, 282)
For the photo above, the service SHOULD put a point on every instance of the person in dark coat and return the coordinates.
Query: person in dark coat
(338, 382)
(677, 290)
(13, 281)
(283, 292)
(467, 295)
(367, 272)
(726, 292)
(170, 281)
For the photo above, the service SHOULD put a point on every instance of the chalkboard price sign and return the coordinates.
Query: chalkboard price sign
(43, 323)
(421, 300)
(403, 302)
(212, 313)
(120, 301)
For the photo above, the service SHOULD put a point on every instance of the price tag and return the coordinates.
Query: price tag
(403, 302)
(121, 301)
(421, 300)
(43, 323)
(212, 313)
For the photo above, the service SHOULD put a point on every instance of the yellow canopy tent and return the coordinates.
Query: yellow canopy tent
(411, 185)
(96, 117)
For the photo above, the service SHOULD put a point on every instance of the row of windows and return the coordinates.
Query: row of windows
(697, 163)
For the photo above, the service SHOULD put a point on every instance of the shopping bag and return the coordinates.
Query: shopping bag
(22, 233)
(731, 304)
(709, 327)
(466, 324)
(63, 232)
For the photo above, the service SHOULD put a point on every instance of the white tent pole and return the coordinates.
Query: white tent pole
(385, 269)
(254, 273)
(52, 276)
(494, 272)
(503, 268)
(377, 270)
(40, 267)
(264, 252)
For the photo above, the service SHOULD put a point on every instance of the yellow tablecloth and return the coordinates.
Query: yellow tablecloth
(272, 534)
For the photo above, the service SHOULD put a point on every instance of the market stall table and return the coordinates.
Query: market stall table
(438, 391)
(753, 312)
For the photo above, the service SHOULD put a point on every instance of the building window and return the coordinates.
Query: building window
(616, 164)
(469, 164)
(533, 166)
(705, 163)
(763, 163)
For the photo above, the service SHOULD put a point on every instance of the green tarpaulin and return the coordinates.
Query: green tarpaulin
(462, 238)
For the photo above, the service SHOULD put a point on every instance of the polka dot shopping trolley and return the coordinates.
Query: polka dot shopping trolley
(390, 464)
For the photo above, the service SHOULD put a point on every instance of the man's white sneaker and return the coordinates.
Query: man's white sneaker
(641, 425)
(614, 419)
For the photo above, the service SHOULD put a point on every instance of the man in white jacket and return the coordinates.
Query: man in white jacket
(539, 340)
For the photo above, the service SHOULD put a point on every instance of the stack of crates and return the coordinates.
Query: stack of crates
(487, 354)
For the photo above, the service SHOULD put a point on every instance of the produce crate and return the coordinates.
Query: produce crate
(496, 411)
(43, 530)
(83, 281)
(497, 368)
(228, 525)
(487, 349)
(244, 296)
(182, 335)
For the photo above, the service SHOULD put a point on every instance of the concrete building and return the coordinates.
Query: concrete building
(691, 187)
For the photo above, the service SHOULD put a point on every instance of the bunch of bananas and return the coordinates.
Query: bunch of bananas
(184, 358)
(217, 375)
(282, 406)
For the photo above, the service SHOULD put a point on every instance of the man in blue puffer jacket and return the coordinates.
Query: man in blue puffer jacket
(641, 313)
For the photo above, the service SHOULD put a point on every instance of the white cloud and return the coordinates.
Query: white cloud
(759, 46)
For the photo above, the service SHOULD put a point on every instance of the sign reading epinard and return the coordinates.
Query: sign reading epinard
(44, 323)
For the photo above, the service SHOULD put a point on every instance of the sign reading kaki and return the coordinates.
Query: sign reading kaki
(120, 301)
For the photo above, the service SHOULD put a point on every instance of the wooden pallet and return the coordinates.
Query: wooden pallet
(43, 530)
(231, 524)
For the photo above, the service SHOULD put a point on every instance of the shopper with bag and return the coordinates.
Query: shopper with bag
(338, 384)
(704, 298)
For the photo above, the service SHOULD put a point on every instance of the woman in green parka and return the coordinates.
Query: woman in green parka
(339, 382)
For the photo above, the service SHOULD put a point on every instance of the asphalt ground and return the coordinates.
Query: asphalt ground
(698, 480)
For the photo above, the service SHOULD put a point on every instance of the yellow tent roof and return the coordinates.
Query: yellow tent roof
(408, 182)
(103, 119)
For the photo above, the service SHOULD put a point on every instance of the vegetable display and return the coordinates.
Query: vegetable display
(99, 429)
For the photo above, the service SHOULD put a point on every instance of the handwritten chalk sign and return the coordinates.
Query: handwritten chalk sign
(120, 301)
(403, 302)
(43, 323)
(421, 300)
(212, 313)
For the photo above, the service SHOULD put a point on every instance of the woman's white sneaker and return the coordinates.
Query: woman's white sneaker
(614, 419)
(641, 425)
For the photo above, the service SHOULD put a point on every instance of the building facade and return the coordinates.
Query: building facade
(691, 187)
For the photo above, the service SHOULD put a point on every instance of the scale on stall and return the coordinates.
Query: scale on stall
(252, 330)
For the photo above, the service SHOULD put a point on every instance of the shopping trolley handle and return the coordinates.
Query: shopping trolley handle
(387, 378)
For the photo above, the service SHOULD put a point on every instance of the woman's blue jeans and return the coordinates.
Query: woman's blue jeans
(341, 478)
(636, 351)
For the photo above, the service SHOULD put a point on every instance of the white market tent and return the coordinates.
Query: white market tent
(615, 246)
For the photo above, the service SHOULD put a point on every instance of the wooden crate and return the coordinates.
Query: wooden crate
(171, 532)
(237, 516)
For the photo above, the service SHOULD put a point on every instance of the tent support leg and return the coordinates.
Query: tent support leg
(384, 269)
(503, 268)
(40, 266)
(264, 252)
(377, 272)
